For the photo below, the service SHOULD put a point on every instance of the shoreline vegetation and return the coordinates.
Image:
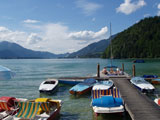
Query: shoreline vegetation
(142, 40)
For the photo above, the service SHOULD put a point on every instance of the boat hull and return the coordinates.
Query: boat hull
(144, 90)
(105, 110)
(80, 92)
(49, 91)
(155, 81)
(55, 115)
(70, 82)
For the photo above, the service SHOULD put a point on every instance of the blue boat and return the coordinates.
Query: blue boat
(138, 61)
(150, 76)
(106, 101)
(5, 73)
(70, 81)
(83, 87)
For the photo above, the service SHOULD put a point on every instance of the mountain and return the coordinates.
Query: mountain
(13, 50)
(142, 40)
(93, 50)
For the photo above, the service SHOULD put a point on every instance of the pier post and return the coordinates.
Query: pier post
(98, 70)
(123, 67)
(134, 70)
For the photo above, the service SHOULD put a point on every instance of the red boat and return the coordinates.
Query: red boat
(157, 101)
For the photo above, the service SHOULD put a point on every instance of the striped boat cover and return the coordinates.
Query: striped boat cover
(45, 106)
(4, 106)
(27, 110)
(98, 93)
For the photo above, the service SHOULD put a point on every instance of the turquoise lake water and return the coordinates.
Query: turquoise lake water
(31, 72)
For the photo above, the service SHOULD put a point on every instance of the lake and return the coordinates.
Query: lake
(31, 72)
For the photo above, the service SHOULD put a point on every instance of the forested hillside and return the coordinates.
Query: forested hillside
(142, 40)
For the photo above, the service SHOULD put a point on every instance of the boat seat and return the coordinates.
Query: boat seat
(44, 107)
(27, 110)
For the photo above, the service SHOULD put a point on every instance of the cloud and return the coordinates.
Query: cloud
(158, 13)
(89, 35)
(30, 21)
(127, 7)
(52, 37)
(158, 6)
(88, 8)
(34, 38)
(12, 36)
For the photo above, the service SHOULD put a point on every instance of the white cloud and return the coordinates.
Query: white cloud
(127, 7)
(56, 38)
(12, 36)
(33, 38)
(158, 6)
(158, 13)
(30, 21)
(88, 7)
(89, 35)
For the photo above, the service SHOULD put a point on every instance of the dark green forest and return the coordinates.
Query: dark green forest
(142, 40)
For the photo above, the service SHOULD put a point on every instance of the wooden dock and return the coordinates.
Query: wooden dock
(138, 105)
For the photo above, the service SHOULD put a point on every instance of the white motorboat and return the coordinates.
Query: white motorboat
(103, 85)
(48, 86)
(142, 84)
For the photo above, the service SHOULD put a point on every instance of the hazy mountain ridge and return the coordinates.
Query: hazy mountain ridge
(93, 50)
(13, 50)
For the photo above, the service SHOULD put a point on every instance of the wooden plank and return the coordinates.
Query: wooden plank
(76, 78)
(138, 105)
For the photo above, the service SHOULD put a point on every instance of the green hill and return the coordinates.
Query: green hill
(142, 40)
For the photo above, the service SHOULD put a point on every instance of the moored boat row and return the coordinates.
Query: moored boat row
(38, 109)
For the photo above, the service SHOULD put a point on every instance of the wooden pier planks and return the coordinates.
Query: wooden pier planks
(139, 106)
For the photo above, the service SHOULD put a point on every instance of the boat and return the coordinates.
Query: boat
(142, 84)
(153, 78)
(5, 73)
(48, 86)
(83, 87)
(150, 76)
(155, 81)
(106, 100)
(70, 81)
(113, 71)
(157, 101)
(103, 85)
(37, 109)
(138, 61)
(7, 106)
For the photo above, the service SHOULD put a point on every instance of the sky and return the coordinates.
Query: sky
(61, 26)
